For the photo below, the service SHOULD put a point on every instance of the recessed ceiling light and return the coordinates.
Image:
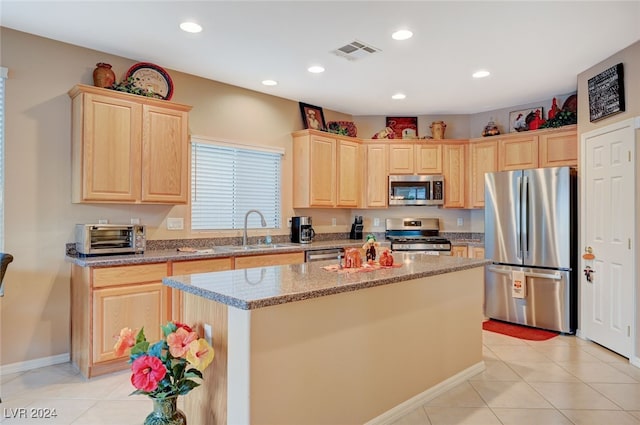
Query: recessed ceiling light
(270, 82)
(402, 35)
(190, 27)
(316, 69)
(398, 96)
(481, 74)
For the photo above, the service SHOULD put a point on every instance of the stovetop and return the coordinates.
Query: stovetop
(416, 234)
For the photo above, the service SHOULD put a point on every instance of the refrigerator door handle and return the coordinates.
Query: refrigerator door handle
(525, 221)
(552, 276)
(519, 218)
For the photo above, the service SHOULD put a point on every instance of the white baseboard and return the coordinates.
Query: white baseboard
(635, 361)
(392, 415)
(34, 364)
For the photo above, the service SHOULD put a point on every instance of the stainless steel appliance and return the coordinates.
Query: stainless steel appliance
(101, 239)
(531, 237)
(356, 228)
(416, 190)
(418, 235)
(323, 254)
(302, 230)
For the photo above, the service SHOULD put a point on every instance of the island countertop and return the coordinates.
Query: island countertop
(249, 289)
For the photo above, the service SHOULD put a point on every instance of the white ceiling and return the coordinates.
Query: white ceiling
(534, 49)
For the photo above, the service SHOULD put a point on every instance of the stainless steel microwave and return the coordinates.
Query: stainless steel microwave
(416, 189)
(101, 239)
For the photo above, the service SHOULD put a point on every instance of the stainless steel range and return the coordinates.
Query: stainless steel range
(418, 235)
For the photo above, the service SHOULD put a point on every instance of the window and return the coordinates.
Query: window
(227, 180)
(3, 77)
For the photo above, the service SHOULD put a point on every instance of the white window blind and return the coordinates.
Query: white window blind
(3, 77)
(227, 181)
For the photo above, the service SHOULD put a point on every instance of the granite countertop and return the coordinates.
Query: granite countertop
(249, 289)
(164, 255)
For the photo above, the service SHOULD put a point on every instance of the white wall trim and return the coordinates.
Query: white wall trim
(34, 364)
(635, 361)
(395, 413)
(4, 72)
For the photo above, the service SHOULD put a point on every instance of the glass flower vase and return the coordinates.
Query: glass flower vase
(166, 412)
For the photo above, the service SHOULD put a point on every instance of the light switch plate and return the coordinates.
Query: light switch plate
(376, 222)
(175, 223)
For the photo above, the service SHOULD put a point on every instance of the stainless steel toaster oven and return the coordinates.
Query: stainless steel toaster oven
(100, 239)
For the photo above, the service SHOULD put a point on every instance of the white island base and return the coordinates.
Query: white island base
(345, 358)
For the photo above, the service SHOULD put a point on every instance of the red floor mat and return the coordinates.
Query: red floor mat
(518, 331)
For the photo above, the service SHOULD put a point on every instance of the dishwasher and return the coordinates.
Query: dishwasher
(322, 254)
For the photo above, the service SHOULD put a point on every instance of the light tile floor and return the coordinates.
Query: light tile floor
(561, 381)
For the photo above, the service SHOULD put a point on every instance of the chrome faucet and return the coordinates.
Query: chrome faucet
(264, 224)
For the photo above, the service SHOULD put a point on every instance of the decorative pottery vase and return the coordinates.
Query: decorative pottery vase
(103, 75)
(437, 129)
(166, 412)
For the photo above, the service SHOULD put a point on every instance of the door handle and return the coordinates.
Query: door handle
(553, 276)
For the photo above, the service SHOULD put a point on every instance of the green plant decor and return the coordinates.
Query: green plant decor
(129, 86)
(562, 118)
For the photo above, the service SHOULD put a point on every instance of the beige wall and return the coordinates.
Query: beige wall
(39, 215)
(630, 58)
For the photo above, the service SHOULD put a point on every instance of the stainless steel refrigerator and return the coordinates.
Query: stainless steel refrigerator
(531, 238)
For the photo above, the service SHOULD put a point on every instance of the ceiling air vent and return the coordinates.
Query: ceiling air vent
(355, 50)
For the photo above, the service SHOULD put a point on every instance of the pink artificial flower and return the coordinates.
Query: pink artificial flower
(200, 354)
(147, 372)
(126, 340)
(179, 342)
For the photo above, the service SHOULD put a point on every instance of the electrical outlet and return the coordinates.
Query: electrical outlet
(376, 222)
(208, 334)
(103, 221)
(175, 223)
(460, 221)
(289, 222)
(135, 221)
(334, 221)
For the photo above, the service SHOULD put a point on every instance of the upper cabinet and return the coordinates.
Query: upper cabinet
(516, 153)
(483, 158)
(453, 169)
(558, 148)
(325, 170)
(128, 148)
(375, 191)
(418, 158)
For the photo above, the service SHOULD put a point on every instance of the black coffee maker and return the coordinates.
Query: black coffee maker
(301, 230)
(356, 228)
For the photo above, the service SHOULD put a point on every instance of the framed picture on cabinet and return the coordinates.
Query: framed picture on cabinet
(403, 127)
(525, 119)
(312, 117)
(606, 93)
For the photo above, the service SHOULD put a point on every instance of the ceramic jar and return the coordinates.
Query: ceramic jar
(166, 412)
(491, 129)
(437, 129)
(103, 75)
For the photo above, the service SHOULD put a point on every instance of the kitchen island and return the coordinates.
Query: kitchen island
(299, 344)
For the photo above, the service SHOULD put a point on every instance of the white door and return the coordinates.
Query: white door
(608, 228)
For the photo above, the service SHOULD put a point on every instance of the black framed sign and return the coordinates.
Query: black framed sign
(606, 93)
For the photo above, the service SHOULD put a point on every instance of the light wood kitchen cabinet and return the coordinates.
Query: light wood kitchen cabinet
(476, 252)
(376, 190)
(517, 153)
(415, 158)
(105, 300)
(348, 174)
(325, 170)
(459, 251)
(558, 148)
(401, 158)
(453, 169)
(483, 158)
(428, 158)
(128, 148)
(264, 260)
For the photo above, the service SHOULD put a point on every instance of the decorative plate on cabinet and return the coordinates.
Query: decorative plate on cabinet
(152, 77)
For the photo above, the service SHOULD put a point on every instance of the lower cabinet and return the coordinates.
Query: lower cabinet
(106, 299)
(467, 251)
